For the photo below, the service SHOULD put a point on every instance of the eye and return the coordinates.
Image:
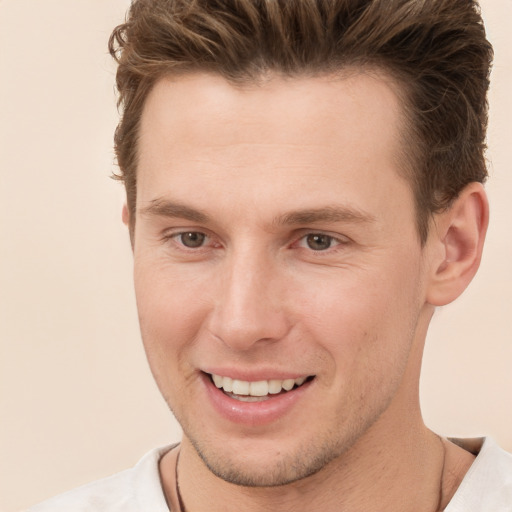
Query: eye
(319, 242)
(191, 239)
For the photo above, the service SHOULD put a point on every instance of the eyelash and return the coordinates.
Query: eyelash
(301, 242)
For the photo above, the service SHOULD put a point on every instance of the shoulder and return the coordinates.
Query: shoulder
(488, 483)
(133, 490)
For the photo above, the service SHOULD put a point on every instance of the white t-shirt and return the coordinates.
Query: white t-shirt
(487, 487)
(134, 490)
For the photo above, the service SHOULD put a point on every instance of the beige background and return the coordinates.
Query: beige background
(77, 401)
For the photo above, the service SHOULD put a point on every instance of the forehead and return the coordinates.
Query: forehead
(294, 109)
(337, 137)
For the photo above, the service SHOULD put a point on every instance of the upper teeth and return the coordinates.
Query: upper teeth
(256, 388)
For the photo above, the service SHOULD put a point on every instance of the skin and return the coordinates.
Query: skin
(257, 170)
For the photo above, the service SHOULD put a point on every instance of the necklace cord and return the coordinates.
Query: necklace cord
(441, 494)
(178, 493)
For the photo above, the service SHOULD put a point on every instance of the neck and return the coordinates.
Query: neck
(389, 475)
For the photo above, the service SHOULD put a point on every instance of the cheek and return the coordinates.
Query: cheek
(170, 316)
(171, 308)
(364, 322)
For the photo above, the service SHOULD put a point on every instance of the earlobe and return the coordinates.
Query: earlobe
(459, 236)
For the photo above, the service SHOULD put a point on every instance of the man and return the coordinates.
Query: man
(304, 188)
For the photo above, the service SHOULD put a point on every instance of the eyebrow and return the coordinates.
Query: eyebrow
(166, 208)
(325, 214)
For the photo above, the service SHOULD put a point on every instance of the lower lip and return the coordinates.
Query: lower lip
(253, 413)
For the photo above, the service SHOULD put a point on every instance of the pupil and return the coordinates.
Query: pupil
(319, 242)
(193, 239)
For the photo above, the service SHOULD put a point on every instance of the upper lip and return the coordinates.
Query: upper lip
(255, 375)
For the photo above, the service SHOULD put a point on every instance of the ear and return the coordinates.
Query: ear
(125, 215)
(458, 236)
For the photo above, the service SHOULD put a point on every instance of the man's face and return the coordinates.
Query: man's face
(276, 244)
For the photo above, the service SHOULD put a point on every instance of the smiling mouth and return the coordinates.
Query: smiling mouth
(256, 391)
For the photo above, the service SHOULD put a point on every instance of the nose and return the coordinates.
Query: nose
(250, 306)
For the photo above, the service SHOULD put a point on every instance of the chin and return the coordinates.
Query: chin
(267, 467)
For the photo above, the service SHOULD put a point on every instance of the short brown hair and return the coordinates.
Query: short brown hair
(436, 50)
